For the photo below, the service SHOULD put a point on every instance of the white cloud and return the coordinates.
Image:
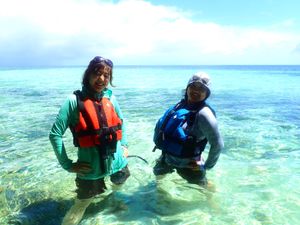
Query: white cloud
(130, 31)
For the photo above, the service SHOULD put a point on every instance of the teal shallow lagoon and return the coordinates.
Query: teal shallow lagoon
(257, 177)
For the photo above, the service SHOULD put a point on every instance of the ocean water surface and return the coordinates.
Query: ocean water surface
(256, 180)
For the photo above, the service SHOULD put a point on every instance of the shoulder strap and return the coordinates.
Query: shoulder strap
(79, 99)
(78, 95)
(81, 108)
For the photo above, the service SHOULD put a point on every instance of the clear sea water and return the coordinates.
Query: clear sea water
(257, 179)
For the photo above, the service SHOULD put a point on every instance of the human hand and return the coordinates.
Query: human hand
(125, 151)
(80, 168)
(197, 166)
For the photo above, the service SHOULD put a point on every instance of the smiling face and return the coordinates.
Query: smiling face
(196, 92)
(99, 79)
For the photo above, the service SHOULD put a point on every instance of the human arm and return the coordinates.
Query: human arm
(118, 110)
(80, 168)
(58, 129)
(120, 156)
(207, 123)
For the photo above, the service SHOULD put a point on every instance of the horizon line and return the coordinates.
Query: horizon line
(143, 65)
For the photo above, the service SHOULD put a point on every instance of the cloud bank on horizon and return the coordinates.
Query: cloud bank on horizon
(135, 32)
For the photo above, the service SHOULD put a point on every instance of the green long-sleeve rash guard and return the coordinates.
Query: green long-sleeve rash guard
(69, 115)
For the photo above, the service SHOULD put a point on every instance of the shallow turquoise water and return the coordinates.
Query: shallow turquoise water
(256, 179)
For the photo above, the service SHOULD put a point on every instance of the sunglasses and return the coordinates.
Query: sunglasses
(198, 87)
(99, 59)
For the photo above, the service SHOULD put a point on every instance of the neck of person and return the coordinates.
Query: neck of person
(193, 105)
(90, 93)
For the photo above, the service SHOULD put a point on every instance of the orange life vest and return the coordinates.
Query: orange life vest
(99, 124)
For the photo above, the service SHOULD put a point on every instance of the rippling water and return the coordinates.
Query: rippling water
(256, 179)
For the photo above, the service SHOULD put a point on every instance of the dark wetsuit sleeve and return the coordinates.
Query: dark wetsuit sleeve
(207, 124)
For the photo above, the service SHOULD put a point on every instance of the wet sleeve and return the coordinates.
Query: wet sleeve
(58, 129)
(120, 114)
(208, 125)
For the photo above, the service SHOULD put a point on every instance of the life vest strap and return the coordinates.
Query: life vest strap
(102, 131)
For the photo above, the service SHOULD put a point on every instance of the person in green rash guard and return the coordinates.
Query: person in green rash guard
(96, 121)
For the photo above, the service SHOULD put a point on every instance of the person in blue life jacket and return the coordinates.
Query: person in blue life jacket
(183, 132)
(96, 121)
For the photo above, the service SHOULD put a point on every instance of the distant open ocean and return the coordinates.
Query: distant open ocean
(257, 177)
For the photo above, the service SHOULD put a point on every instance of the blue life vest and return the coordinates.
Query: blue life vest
(170, 134)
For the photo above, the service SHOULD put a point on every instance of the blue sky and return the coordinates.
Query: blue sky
(154, 32)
